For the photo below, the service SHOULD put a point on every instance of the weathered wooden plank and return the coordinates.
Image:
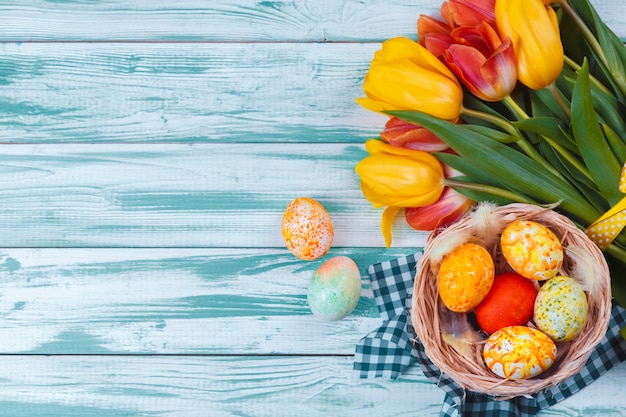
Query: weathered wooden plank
(184, 92)
(198, 386)
(180, 195)
(173, 301)
(235, 20)
(239, 386)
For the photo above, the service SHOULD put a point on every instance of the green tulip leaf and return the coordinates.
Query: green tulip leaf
(465, 166)
(596, 152)
(515, 170)
(546, 105)
(617, 144)
(550, 127)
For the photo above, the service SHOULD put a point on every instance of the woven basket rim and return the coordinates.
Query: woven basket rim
(469, 371)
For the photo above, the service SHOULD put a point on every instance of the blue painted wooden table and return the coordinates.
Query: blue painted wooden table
(148, 150)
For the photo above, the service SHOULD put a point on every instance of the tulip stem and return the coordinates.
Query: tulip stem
(577, 67)
(521, 141)
(493, 119)
(569, 157)
(587, 33)
(559, 99)
(593, 41)
(515, 108)
(488, 189)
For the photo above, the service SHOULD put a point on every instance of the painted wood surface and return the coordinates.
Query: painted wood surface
(180, 195)
(232, 20)
(147, 152)
(179, 92)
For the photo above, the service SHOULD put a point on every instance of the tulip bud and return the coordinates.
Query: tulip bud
(534, 31)
(406, 135)
(397, 177)
(406, 76)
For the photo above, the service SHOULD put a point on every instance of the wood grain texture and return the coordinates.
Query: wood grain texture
(184, 93)
(85, 386)
(204, 386)
(183, 301)
(180, 195)
(233, 20)
(147, 152)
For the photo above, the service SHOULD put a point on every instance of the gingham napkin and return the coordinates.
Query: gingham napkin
(387, 351)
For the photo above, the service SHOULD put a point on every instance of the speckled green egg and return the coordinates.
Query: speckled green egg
(561, 309)
(335, 289)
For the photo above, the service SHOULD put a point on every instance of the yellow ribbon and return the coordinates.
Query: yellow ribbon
(606, 228)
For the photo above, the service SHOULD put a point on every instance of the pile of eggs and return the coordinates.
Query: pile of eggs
(308, 232)
(526, 311)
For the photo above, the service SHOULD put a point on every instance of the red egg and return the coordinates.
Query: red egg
(510, 302)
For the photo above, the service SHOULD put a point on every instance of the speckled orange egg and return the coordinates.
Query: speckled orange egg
(561, 308)
(307, 229)
(465, 277)
(519, 352)
(532, 250)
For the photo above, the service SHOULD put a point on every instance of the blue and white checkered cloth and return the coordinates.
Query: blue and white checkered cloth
(387, 351)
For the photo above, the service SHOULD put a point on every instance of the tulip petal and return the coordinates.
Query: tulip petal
(386, 223)
(472, 12)
(437, 43)
(500, 69)
(450, 207)
(406, 135)
(426, 24)
(467, 62)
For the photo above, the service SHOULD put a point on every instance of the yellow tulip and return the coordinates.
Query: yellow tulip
(534, 30)
(405, 76)
(397, 177)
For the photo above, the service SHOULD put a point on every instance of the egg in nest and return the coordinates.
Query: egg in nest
(561, 309)
(465, 277)
(307, 229)
(519, 352)
(532, 250)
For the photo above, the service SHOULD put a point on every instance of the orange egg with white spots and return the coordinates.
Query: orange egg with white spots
(519, 352)
(532, 250)
(465, 277)
(307, 229)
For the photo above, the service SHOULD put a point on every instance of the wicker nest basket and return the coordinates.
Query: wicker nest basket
(483, 226)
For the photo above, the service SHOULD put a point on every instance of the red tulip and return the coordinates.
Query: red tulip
(450, 207)
(406, 135)
(468, 12)
(484, 63)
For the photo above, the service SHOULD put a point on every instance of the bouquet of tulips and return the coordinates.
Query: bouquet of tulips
(502, 101)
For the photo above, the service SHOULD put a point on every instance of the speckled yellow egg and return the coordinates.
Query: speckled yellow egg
(561, 308)
(465, 277)
(532, 250)
(519, 352)
(307, 229)
(335, 289)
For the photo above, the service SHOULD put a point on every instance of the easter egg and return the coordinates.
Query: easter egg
(519, 352)
(532, 250)
(510, 302)
(335, 289)
(561, 308)
(307, 229)
(465, 277)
